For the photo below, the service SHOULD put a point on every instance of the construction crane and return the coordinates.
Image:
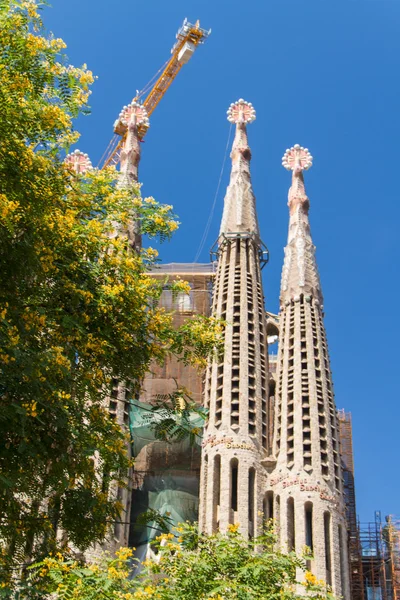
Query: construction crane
(189, 36)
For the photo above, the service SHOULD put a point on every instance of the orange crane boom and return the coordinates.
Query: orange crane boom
(189, 36)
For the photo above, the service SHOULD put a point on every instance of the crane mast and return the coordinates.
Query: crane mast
(189, 36)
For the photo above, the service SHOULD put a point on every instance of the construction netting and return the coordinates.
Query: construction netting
(165, 478)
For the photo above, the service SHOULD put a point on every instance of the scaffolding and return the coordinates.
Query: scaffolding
(391, 534)
(380, 558)
(355, 553)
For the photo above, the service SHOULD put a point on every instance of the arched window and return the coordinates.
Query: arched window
(234, 484)
(290, 520)
(251, 499)
(328, 555)
(278, 517)
(269, 505)
(217, 491)
(308, 519)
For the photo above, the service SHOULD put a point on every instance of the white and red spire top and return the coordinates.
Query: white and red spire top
(297, 159)
(78, 161)
(300, 272)
(239, 214)
(132, 116)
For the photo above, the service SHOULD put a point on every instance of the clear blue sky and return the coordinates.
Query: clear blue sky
(322, 74)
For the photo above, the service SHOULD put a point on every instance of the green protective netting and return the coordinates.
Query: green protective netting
(171, 490)
(141, 431)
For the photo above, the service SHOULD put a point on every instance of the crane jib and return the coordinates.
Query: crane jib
(189, 36)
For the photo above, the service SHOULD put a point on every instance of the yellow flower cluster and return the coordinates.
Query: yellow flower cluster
(124, 553)
(3, 311)
(310, 580)
(31, 408)
(147, 592)
(8, 209)
(59, 358)
(233, 528)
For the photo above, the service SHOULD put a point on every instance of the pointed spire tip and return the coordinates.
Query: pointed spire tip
(241, 112)
(297, 158)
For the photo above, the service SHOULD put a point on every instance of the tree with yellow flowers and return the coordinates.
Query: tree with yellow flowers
(76, 307)
(188, 566)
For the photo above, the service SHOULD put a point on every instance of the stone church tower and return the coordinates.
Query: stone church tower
(235, 444)
(298, 481)
(306, 486)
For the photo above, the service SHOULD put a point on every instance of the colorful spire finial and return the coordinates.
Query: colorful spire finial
(134, 113)
(78, 161)
(241, 112)
(240, 205)
(297, 159)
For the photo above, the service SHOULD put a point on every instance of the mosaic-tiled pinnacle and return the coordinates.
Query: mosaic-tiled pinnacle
(240, 204)
(300, 272)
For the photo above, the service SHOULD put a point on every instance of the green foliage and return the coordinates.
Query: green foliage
(225, 567)
(76, 305)
(188, 567)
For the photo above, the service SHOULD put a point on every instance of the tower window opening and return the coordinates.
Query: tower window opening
(308, 517)
(216, 491)
(269, 506)
(252, 479)
(290, 525)
(234, 484)
(277, 516)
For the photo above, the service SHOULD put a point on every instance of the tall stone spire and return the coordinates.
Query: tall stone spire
(132, 116)
(300, 273)
(236, 391)
(240, 205)
(306, 487)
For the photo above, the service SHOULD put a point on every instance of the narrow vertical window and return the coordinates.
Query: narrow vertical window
(252, 479)
(328, 556)
(278, 517)
(308, 517)
(234, 484)
(290, 520)
(269, 505)
(217, 492)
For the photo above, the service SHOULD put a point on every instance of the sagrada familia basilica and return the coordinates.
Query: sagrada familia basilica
(274, 446)
(270, 447)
